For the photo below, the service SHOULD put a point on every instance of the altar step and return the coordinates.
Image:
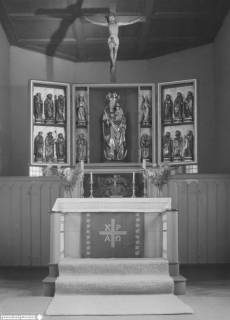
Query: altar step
(113, 276)
(114, 266)
(114, 284)
(68, 266)
(113, 287)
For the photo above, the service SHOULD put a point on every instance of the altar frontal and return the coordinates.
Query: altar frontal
(112, 235)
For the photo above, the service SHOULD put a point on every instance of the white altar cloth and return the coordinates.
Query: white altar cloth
(145, 205)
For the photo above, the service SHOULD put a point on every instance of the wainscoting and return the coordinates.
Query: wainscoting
(203, 202)
(24, 225)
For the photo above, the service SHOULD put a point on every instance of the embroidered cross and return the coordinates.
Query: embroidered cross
(112, 233)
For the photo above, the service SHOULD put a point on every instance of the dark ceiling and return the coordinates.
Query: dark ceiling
(58, 27)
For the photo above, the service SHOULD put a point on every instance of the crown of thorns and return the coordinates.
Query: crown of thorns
(113, 95)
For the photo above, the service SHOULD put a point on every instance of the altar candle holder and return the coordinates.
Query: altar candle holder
(144, 164)
(144, 177)
(133, 184)
(82, 179)
(82, 165)
(91, 185)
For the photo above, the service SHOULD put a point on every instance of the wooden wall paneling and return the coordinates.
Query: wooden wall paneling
(211, 221)
(221, 226)
(202, 222)
(55, 192)
(173, 193)
(36, 223)
(4, 224)
(204, 219)
(228, 223)
(45, 222)
(165, 190)
(26, 232)
(183, 221)
(15, 224)
(192, 222)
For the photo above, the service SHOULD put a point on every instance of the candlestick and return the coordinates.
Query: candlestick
(133, 195)
(91, 185)
(82, 165)
(144, 164)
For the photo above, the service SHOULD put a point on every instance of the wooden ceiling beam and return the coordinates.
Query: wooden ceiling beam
(181, 15)
(44, 41)
(63, 15)
(33, 16)
(175, 39)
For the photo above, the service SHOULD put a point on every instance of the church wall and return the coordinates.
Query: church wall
(195, 63)
(4, 104)
(222, 101)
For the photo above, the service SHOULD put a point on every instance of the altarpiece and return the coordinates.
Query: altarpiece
(113, 125)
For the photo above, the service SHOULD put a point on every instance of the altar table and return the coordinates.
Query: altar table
(160, 226)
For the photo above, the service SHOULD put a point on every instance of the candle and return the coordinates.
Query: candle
(133, 177)
(91, 178)
(144, 164)
(82, 165)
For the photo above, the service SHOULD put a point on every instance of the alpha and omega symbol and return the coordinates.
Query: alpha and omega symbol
(112, 233)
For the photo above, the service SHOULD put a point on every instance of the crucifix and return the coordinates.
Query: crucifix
(113, 22)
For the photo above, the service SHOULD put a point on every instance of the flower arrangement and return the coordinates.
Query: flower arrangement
(158, 175)
(69, 176)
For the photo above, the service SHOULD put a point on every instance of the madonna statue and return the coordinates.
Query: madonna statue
(114, 129)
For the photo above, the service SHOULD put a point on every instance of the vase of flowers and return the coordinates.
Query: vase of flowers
(69, 177)
(158, 175)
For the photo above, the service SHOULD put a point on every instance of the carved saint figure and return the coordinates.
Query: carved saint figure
(146, 112)
(145, 144)
(188, 146)
(38, 108)
(49, 147)
(177, 146)
(81, 116)
(167, 109)
(113, 23)
(60, 147)
(167, 147)
(114, 129)
(81, 148)
(38, 146)
(49, 108)
(188, 107)
(60, 108)
(178, 108)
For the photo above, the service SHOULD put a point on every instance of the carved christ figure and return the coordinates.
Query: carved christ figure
(113, 23)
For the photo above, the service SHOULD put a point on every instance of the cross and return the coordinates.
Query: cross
(112, 233)
(75, 12)
(113, 22)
